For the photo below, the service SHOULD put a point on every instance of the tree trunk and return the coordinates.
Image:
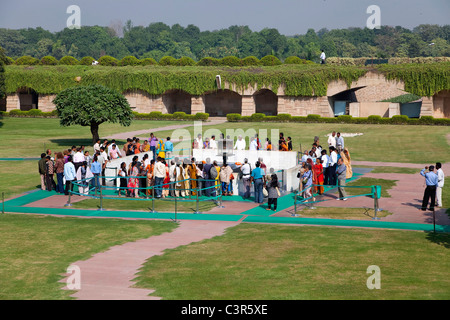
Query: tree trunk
(94, 131)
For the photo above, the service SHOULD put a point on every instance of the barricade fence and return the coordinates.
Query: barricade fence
(91, 187)
(375, 193)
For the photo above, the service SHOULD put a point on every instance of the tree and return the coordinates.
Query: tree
(91, 106)
(2, 72)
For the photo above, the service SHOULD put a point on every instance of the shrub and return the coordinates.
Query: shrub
(201, 116)
(129, 61)
(234, 117)
(257, 117)
(108, 61)
(27, 61)
(284, 117)
(270, 61)
(208, 61)
(148, 62)
(168, 61)
(68, 60)
(345, 119)
(9, 61)
(155, 115)
(49, 61)
(296, 60)
(374, 119)
(230, 61)
(186, 61)
(250, 61)
(86, 61)
(399, 119)
(179, 115)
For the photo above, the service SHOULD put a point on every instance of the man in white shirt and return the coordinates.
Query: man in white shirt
(325, 164)
(332, 140)
(441, 179)
(322, 57)
(240, 144)
(332, 165)
(199, 142)
(213, 143)
(254, 144)
(159, 172)
(97, 146)
(339, 142)
(246, 171)
(78, 159)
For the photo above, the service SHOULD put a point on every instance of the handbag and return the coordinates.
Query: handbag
(265, 192)
(278, 191)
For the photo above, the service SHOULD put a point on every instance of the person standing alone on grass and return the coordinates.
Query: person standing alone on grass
(341, 173)
(431, 180)
(441, 178)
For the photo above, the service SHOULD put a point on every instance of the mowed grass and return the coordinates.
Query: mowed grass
(141, 205)
(388, 169)
(269, 262)
(383, 183)
(17, 177)
(35, 250)
(382, 143)
(29, 137)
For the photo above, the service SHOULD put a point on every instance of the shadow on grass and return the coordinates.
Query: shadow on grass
(72, 142)
(442, 239)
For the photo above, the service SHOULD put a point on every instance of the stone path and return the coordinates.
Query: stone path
(405, 200)
(109, 275)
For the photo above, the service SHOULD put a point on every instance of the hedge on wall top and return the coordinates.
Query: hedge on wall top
(68, 61)
(130, 61)
(250, 61)
(168, 61)
(108, 61)
(186, 61)
(208, 62)
(148, 62)
(230, 61)
(49, 61)
(296, 60)
(86, 61)
(27, 61)
(270, 61)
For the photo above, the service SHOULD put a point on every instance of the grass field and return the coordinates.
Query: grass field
(342, 213)
(35, 250)
(29, 137)
(270, 262)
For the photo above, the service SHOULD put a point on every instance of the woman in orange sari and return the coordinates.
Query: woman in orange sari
(192, 168)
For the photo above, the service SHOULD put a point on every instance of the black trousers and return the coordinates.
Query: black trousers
(273, 201)
(430, 192)
(69, 186)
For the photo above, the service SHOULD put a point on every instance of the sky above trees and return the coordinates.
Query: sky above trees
(289, 17)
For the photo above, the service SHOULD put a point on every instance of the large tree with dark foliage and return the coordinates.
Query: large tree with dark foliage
(91, 106)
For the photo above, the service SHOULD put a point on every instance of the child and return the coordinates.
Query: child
(273, 188)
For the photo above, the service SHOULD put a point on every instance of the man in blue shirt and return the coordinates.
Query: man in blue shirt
(257, 177)
(96, 169)
(431, 180)
(69, 174)
(168, 148)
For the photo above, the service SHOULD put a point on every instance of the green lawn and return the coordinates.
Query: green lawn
(269, 262)
(17, 177)
(29, 137)
(387, 169)
(160, 205)
(35, 250)
(384, 183)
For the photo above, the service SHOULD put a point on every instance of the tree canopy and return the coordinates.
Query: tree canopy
(158, 40)
(91, 106)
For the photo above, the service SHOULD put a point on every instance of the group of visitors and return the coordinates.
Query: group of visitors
(434, 180)
(320, 168)
(284, 144)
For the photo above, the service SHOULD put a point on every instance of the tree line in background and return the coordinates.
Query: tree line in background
(159, 40)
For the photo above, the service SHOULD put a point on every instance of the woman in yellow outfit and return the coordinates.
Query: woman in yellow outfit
(192, 168)
(161, 152)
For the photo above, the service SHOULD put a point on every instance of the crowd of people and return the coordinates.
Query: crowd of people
(162, 176)
(321, 168)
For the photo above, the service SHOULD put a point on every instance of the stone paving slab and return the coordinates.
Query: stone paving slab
(109, 275)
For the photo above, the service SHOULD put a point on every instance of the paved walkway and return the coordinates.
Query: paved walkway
(109, 275)
(406, 196)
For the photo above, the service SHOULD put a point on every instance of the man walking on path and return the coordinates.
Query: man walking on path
(440, 185)
(431, 180)
(341, 173)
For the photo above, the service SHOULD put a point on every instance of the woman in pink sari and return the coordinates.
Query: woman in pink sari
(133, 182)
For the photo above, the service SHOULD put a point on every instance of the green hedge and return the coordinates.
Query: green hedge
(155, 115)
(314, 118)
